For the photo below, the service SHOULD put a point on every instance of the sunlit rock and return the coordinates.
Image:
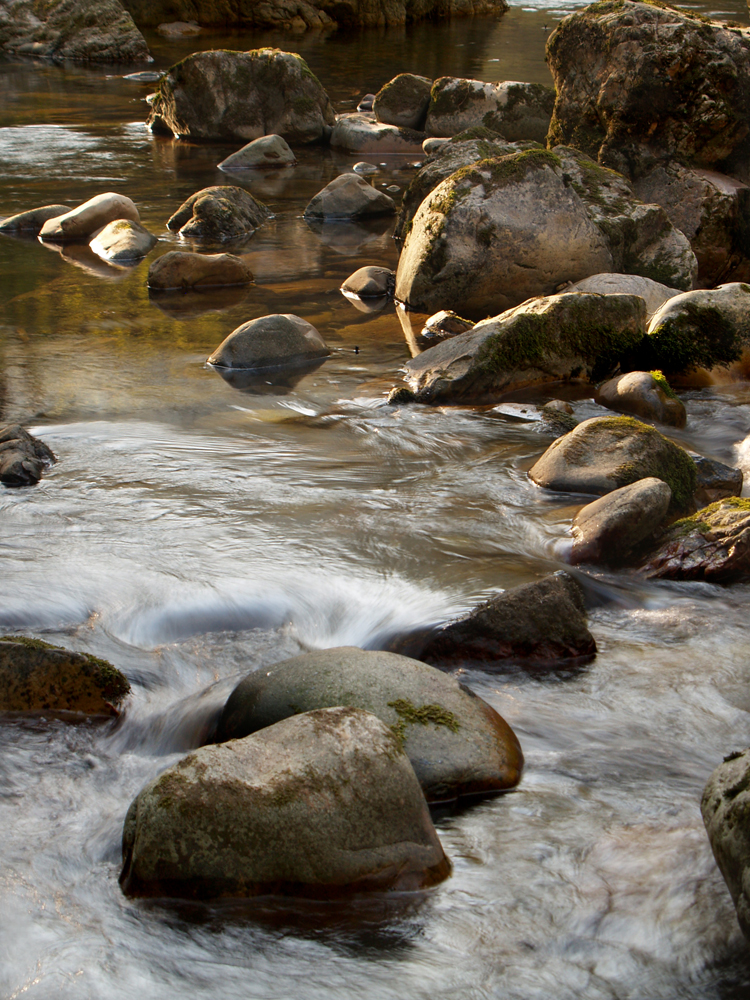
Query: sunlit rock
(403, 101)
(362, 134)
(348, 196)
(610, 528)
(32, 220)
(218, 213)
(370, 282)
(179, 269)
(260, 154)
(123, 241)
(514, 110)
(654, 293)
(270, 342)
(646, 395)
(82, 222)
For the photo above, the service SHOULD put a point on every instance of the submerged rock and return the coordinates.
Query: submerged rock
(82, 222)
(218, 213)
(322, 804)
(269, 151)
(604, 453)
(178, 269)
(403, 101)
(23, 457)
(370, 282)
(223, 95)
(348, 196)
(646, 395)
(32, 220)
(270, 342)
(362, 134)
(610, 528)
(654, 293)
(456, 742)
(515, 110)
(123, 242)
(38, 677)
(711, 545)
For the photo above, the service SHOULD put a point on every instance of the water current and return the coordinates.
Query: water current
(194, 530)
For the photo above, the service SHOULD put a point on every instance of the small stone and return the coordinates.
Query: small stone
(610, 528)
(181, 270)
(433, 144)
(218, 213)
(179, 29)
(268, 151)
(123, 241)
(270, 342)
(32, 220)
(559, 405)
(360, 133)
(400, 395)
(366, 103)
(364, 168)
(446, 323)
(646, 395)
(348, 196)
(370, 282)
(403, 101)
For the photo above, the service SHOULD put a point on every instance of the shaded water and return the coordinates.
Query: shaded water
(192, 531)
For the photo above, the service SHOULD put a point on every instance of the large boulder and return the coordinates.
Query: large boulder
(349, 196)
(82, 222)
(321, 804)
(179, 269)
(218, 213)
(515, 110)
(610, 528)
(537, 624)
(646, 395)
(604, 453)
(725, 805)
(32, 220)
(84, 30)
(123, 242)
(506, 229)
(38, 677)
(269, 151)
(547, 339)
(403, 101)
(224, 95)
(711, 545)
(653, 292)
(23, 458)
(361, 134)
(639, 83)
(271, 342)
(457, 743)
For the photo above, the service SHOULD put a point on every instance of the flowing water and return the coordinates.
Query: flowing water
(195, 529)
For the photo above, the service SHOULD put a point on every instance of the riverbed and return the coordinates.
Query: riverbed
(194, 530)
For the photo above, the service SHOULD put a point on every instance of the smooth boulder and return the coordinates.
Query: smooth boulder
(218, 213)
(270, 342)
(349, 196)
(609, 529)
(82, 222)
(646, 395)
(546, 339)
(370, 282)
(457, 743)
(360, 133)
(123, 242)
(322, 804)
(604, 453)
(269, 151)
(514, 110)
(178, 269)
(653, 292)
(403, 101)
(32, 220)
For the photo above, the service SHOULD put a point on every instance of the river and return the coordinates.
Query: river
(193, 531)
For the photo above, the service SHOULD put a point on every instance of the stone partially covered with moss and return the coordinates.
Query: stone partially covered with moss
(549, 339)
(647, 395)
(403, 101)
(639, 83)
(322, 804)
(610, 528)
(604, 453)
(456, 742)
(223, 95)
(218, 213)
(712, 545)
(653, 292)
(515, 110)
(38, 677)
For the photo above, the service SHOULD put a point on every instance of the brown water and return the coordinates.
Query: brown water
(192, 531)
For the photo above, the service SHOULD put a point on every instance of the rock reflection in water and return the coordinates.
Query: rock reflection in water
(266, 381)
(191, 304)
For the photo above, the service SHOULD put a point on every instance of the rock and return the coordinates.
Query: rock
(724, 807)
(432, 145)
(218, 213)
(543, 340)
(556, 421)
(702, 328)
(444, 324)
(361, 134)
(646, 395)
(270, 342)
(712, 545)
(123, 241)
(712, 210)
(268, 151)
(82, 222)
(179, 29)
(457, 743)
(32, 220)
(403, 101)
(640, 83)
(38, 677)
(605, 453)
(540, 623)
(370, 282)
(653, 292)
(83, 30)
(610, 528)
(178, 269)
(506, 229)
(223, 96)
(348, 196)
(559, 406)
(22, 457)
(321, 804)
(364, 168)
(366, 103)
(715, 481)
(515, 110)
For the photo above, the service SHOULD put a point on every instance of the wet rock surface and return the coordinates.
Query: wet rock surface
(609, 529)
(514, 110)
(218, 213)
(123, 242)
(23, 458)
(270, 342)
(348, 196)
(32, 221)
(645, 395)
(82, 222)
(179, 269)
(457, 743)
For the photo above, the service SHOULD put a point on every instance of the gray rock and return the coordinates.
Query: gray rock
(32, 220)
(223, 95)
(370, 282)
(653, 292)
(321, 804)
(360, 133)
(538, 624)
(604, 453)
(645, 396)
(403, 101)
(179, 29)
(82, 222)
(218, 213)
(543, 340)
(348, 196)
(555, 420)
(444, 324)
(515, 110)
(23, 457)
(715, 481)
(610, 528)
(457, 743)
(433, 144)
(123, 242)
(178, 269)
(267, 151)
(270, 342)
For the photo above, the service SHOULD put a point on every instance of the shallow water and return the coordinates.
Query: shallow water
(192, 531)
